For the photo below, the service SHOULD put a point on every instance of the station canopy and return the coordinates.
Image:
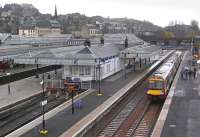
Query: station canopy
(36, 40)
(83, 55)
(73, 55)
(143, 50)
(119, 39)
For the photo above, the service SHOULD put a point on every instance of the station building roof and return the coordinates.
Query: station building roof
(119, 39)
(67, 55)
(114, 46)
(140, 51)
(48, 39)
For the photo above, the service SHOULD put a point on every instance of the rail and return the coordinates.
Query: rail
(163, 114)
(81, 127)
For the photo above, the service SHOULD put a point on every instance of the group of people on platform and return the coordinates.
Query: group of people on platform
(187, 73)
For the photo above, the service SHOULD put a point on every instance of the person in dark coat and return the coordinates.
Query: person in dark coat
(190, 73)
(194, 72)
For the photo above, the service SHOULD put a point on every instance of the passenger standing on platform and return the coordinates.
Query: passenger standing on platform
(55, 72)
(48, 76)
(187, 75)
(190, 73)
(194, 73)
(182, 74)
(8, 89)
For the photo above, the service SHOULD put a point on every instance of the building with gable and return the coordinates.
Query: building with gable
(40, 28)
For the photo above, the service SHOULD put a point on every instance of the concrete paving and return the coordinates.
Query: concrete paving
(183, 116)
(23, 88)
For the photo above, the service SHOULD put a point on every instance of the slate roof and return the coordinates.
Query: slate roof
(105, 51)
(85, 54)
(75, 52)
(40, 24)
(43, 24)
(55, 24)
(86, 50)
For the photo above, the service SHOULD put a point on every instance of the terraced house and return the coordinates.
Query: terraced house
(40, 28)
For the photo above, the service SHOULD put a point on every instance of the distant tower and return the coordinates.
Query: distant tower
(126, 42)
(55, 14)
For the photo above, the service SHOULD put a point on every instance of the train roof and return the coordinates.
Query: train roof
(165, 69)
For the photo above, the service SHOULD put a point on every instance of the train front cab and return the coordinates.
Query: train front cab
(156, 89)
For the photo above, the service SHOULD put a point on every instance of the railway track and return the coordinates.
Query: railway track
(113, 126)
(147, 121)
(135, 120)
(128, 125)
(130, 105)
(21, 113)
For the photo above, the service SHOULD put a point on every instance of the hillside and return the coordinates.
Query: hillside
(11, 15)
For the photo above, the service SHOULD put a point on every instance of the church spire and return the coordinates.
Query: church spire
(55, 14)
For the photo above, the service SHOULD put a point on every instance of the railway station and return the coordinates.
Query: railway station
(110, 86)
(100, 89)
(99, 68)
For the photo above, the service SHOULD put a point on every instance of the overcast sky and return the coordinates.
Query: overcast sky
(160, 12)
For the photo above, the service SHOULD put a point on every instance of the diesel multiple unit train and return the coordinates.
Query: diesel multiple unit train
(160, 81)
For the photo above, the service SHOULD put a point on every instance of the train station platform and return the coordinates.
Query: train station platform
(61, 121)
(23, 89)
(180, 115)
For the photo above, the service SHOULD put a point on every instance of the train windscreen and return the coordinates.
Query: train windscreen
(156, 85)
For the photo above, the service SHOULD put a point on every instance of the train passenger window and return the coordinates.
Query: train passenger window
(156, 85)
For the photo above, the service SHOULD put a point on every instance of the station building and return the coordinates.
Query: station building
(40, 28)
(94, 62)
(87, 31)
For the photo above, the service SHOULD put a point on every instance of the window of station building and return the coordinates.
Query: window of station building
(81, 70)
(87, 70)
(74, 70)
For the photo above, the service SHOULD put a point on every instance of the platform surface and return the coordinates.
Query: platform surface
(183, 119)
(22, 89)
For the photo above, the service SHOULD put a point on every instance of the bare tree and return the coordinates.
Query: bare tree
(195, 25)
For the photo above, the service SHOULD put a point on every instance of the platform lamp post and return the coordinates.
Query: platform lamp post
(71, 89)
(8, 74)
(43, 131)
(99, 69)
(36, 62)
(124, 65)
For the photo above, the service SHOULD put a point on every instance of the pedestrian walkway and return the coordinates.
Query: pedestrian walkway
(23, 89)
(183, 116)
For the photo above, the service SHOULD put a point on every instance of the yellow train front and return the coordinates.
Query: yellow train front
(156, 88)
(160, 81)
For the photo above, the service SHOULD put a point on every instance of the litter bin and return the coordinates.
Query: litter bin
(79, 104)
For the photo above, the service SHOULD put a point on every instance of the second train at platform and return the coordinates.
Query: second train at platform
(160, 81)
